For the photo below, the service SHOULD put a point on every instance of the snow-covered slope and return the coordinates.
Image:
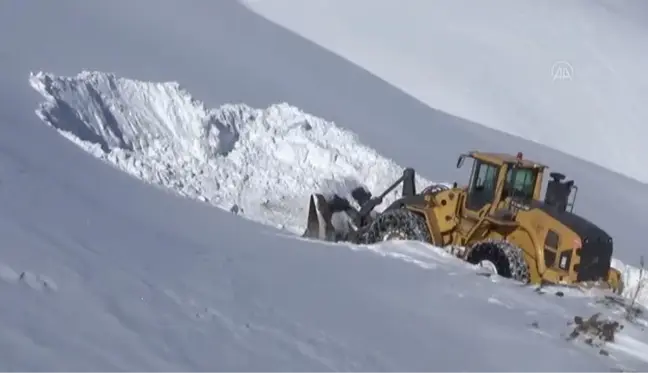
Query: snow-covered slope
(137, 280)
(156, 283)
(261, 164)
(568, 75)
(103, 272)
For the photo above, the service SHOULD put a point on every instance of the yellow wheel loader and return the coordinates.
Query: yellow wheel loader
(497, 221)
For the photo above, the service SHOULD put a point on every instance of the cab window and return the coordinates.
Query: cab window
(520, 183)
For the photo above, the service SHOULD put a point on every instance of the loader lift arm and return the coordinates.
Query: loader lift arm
(409, 189)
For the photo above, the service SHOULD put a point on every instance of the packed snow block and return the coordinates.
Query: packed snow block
(266, 162)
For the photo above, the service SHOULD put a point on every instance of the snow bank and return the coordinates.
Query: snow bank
(262, 164)
(635, 280)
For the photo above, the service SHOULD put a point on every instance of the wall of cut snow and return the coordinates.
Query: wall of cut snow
(262, 164)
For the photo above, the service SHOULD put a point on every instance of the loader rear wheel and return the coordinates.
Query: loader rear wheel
(397, 224)
(505, 257)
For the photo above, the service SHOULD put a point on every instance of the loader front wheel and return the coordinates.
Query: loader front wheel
(502, 256)
(397, 224)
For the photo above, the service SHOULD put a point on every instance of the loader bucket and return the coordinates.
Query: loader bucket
(321, 223)
(318, 224)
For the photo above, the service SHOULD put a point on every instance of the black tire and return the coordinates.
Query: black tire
(508, 258)
(409, 225)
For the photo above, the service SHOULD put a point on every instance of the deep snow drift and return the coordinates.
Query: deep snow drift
(569, 75)
(261, 164)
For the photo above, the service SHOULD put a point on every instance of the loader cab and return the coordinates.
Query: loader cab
(497, 177)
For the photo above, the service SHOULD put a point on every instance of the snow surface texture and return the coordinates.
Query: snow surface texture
(262, 164)
(571, 76)
(133, 279)
(203, 300)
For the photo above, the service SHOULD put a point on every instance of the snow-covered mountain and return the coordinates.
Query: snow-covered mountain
(149, 225)
(567, 75)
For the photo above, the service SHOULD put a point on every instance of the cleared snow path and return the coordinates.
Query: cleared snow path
(260, 164)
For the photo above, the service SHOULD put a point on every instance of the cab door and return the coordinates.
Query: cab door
(480, 195)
